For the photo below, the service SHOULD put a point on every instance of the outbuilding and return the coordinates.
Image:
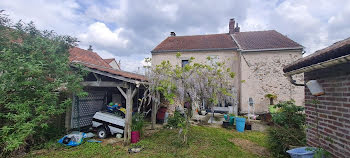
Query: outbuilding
(328, 112)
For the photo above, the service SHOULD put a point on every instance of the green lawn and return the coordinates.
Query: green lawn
(203, 142)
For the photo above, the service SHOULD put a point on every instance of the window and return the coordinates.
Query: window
(184, 62)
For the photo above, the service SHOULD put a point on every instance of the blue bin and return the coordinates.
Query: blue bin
(301, 153)
(240, 124)
(232, 120)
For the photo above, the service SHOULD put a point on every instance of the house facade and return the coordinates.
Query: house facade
(256, 57)
(328, 121)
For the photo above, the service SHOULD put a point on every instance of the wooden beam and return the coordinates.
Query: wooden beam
(102, 84)
(111, 75)
(122, 92)
(134, 92)
(97, 78)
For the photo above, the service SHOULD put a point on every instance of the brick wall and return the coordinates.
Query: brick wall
(333, 111)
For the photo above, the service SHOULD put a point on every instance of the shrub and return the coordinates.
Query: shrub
(289, 129)
(137, 122)
(289, 115)
(280, 139)
(176, 121)
(34, 74)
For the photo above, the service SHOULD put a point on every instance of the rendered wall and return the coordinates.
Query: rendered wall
(262, 74)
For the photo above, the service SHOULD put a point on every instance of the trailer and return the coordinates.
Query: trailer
(107, 123)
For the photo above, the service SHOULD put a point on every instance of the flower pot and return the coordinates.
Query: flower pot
(240, 124)
(232, 120)
(135, 136)
(225, 124)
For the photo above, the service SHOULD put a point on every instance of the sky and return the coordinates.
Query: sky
(129, 29)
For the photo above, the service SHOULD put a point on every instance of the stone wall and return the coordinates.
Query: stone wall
(229, 56)
(333, 111)
(262, 74)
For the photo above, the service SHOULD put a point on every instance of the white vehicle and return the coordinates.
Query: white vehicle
(107, 123)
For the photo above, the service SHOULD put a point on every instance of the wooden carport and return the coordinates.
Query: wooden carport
(126, 83)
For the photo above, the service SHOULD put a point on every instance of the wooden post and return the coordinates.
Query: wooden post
(154, 114)
(129, 95)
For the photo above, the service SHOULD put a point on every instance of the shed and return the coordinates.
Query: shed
(328, 121)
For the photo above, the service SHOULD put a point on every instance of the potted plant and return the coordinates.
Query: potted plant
(271, 97)
(136, 127)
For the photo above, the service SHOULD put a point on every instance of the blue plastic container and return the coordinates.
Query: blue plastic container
(226, 117)
(301, 153)
(240, 124)
(232, 120)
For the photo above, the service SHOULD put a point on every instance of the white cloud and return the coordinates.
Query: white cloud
(100, 35)
(129, 29)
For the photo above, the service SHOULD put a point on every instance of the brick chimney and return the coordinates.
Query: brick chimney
(237, 28)
(90, 48)
(231, 26)
(172, 34)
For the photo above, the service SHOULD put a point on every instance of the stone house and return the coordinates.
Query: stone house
(328, 121)
(257, 58)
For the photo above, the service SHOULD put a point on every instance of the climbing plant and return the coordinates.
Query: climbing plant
(197, 82)
(35, 80)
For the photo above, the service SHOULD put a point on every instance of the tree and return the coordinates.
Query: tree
(197, 82)
(35, 78)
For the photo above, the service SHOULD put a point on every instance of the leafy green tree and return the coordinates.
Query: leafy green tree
(35, 80)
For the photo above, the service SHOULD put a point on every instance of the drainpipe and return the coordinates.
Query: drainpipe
(294, 82)
(321, 65)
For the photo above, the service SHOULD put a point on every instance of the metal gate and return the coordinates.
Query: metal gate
(84, 108)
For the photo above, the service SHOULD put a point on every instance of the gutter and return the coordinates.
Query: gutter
(272, 49)
(190, 50)
(321, 65)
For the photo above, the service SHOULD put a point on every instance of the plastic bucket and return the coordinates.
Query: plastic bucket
(226, 117)
(240, 124)
(135, 136)
(301, 152)
(232, 120)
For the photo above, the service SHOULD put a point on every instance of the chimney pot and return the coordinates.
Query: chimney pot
(231, 26)
(90, 48)
(237, 29)
(172, 34)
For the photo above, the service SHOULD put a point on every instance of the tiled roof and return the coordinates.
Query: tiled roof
(197, 42)
(94, 61)
(255, 40)
(85, 56)
(109, 60)
(270, 39)
(338, 49)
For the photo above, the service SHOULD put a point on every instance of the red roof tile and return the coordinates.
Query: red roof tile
(245, 40)
(94, 61)
(263, 40)
(197, 42)
(109, 60)
(85, 56)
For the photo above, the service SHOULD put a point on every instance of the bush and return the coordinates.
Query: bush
(35, 77)
(280, 140)
(176, 121)
(137, 122)
(289, 129)
(289, 115)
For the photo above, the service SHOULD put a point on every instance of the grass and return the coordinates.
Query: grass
(202, 142)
